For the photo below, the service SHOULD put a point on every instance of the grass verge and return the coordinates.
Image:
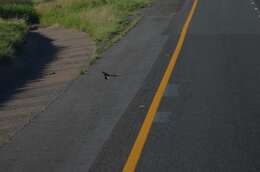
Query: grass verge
(15, 15)
(12, 34)
(102, 19)
(108, 44)
(21, 10)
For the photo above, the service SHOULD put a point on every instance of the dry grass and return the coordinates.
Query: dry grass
(102, 19)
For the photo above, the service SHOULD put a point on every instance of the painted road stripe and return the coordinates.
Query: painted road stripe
(137, 149)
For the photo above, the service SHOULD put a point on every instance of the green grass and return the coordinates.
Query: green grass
(102, 19)
(15, 15)
(20, 10)
(12, 34)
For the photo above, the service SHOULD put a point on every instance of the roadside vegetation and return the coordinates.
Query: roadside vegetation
(20, 10)
(14, 20)
(102, 19)
(12, 34)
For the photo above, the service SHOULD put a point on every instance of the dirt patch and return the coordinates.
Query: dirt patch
(51, 58)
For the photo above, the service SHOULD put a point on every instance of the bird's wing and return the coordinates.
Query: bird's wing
(111, 75)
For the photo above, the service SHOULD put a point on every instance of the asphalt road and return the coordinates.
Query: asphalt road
(211, 120)
(208, 119)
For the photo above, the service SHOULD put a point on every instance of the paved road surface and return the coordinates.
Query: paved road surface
(208, 119)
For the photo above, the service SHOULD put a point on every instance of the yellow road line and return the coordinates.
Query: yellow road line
(137, 149)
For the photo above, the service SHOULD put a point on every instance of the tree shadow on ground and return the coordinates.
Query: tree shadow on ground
(37, 52)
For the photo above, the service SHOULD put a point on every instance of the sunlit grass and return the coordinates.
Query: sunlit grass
(100, 18)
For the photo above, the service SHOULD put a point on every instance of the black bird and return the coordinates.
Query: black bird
(107, 75)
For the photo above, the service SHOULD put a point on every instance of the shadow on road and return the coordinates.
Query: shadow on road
(37, 52)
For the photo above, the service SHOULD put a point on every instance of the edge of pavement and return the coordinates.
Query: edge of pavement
(116, 149)
(69, 135)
